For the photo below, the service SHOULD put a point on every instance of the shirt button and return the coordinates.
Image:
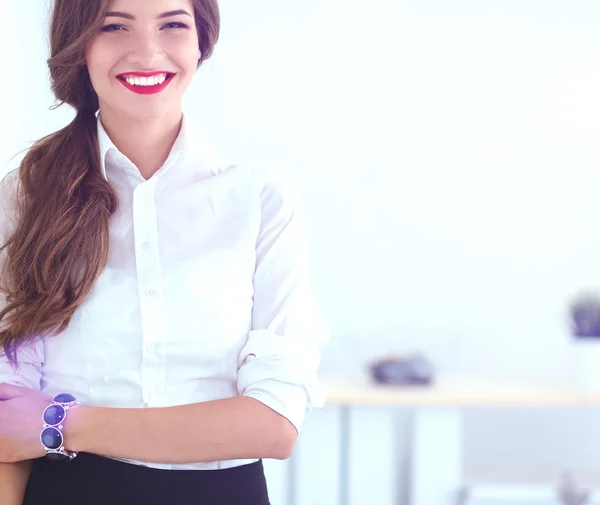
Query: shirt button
(145, 245)
(150, 292)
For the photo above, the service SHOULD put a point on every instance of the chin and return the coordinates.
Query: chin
(148, 112)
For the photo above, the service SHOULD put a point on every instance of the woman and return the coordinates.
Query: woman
(158, 329)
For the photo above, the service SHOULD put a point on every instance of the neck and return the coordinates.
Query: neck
(147, 142)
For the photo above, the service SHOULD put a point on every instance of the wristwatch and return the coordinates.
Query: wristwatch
(51, 437)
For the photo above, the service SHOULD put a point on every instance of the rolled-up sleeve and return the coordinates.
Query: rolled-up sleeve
(29, 371)
(30, 356)
(279, 363)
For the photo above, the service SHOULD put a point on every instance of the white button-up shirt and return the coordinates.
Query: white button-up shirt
(205, 294)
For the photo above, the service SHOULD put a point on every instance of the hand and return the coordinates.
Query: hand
(21, 423)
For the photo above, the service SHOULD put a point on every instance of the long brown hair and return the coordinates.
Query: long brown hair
(59, 245)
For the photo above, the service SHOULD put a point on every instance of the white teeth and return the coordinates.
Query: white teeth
(146, 81)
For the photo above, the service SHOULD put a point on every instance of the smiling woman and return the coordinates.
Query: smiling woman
(155, 307)
(136, 46)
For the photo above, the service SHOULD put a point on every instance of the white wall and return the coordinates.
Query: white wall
(447, 156)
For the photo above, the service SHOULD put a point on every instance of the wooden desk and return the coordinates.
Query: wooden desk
(437, 421)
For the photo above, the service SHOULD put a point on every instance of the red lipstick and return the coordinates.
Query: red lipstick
(146, 90)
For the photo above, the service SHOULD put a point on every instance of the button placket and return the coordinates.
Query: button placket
(150, 290)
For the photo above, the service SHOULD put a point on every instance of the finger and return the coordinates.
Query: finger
(9, 391)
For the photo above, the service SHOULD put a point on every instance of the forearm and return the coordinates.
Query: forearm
(233, 428)
(13, 481)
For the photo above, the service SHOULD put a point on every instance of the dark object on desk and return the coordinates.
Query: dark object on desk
(571, 494)
(585, 315)
(405, 370)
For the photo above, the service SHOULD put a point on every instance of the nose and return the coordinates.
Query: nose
(146, 51)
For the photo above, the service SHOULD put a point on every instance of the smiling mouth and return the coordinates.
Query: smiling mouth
(145, 81)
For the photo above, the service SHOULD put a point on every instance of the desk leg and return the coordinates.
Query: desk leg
(292, 478)
(436, 473)
(344, 455)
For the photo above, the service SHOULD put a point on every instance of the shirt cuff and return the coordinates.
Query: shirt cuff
(289, 400)
(29, 371)
(281, 372)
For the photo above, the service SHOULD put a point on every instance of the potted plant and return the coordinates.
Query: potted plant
(585, 327)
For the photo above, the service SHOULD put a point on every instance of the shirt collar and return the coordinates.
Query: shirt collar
(190, 143)
(105, 145)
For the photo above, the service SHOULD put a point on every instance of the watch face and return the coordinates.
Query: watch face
(51, 438)
(54, 415)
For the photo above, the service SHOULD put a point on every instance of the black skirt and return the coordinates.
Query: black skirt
(95, 480)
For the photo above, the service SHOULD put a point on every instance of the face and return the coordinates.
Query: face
(144, 57)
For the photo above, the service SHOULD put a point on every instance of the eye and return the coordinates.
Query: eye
(175, 24)
(112, 28)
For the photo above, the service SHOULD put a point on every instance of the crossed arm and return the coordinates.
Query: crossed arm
(233, 428)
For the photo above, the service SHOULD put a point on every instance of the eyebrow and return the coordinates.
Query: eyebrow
(179, 12)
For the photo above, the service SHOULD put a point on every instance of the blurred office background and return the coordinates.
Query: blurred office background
(447, 157)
